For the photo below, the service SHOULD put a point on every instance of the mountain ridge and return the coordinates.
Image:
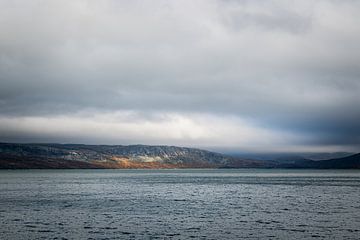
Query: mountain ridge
(55, 155)
(121, 156)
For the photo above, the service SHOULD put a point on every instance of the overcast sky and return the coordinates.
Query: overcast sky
(234, 75)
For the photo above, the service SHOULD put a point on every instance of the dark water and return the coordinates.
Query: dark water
(179, 204)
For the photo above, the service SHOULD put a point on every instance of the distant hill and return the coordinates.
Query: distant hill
(293, 156)
(326, 156)
(349, 162)
(29, 156)
(14, 155)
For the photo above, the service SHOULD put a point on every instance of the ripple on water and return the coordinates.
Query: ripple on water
(180, 204)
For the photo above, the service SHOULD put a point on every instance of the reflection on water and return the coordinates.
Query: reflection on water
(179, 204)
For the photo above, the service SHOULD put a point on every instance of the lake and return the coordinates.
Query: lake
(180, 204)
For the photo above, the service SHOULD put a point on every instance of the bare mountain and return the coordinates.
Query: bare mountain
(17, 156)
(14, 155)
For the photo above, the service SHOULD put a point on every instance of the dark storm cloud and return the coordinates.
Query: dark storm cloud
(287, 67)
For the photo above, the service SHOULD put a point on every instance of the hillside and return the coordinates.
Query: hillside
(115, 156)
(349, 162)
(27, 156)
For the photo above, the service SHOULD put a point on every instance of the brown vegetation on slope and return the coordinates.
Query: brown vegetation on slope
(125, 163)
(22, 162)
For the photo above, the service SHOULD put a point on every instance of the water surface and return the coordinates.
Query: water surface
(179, 204)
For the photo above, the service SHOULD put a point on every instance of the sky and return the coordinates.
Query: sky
(278, 76)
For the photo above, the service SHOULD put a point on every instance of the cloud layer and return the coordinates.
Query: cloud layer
(265, 75)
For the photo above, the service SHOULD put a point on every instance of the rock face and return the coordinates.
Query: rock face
(18, 156)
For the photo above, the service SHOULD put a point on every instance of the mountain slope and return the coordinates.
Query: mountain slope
(14, 156)
(350, 162)
(116, 156)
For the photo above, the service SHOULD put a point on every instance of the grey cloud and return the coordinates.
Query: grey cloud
(283, 66)
(274, 16)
